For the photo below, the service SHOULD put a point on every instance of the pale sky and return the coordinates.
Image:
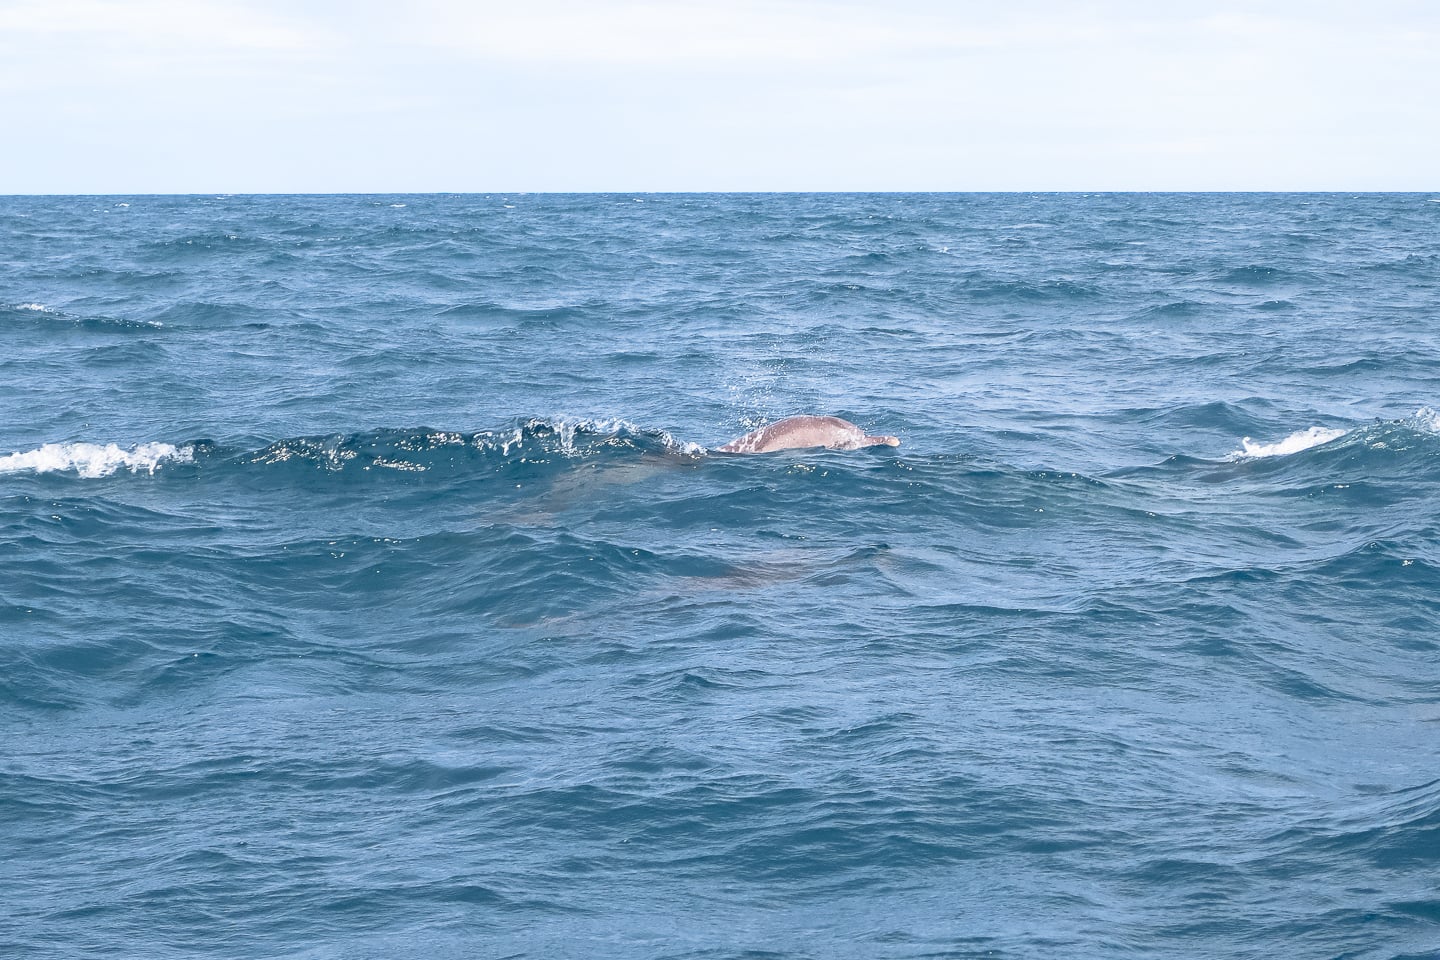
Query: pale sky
(325, 96)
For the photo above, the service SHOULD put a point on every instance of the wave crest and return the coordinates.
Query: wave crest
(92, 460)
(1425, 420)
(1381, 435)
(421, 450)
(530, 442)
(1294, 443)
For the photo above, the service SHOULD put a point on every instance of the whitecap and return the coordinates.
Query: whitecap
(92, 460)
(1426, 420)
(1297, 441)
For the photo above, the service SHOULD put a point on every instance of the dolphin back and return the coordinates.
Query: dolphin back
(804, 432)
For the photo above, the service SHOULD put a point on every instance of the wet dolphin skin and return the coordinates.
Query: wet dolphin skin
(806, 431)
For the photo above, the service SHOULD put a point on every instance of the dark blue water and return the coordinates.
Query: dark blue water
(367, 588)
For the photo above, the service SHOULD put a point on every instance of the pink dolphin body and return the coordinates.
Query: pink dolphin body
(798, 432)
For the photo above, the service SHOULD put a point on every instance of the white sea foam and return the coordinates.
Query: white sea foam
(95, 460)
(1426, 420)
(1300, 440)
(37, 307)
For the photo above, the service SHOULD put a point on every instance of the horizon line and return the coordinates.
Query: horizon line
(727, 192)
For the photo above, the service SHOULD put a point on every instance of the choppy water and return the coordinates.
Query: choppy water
(367, 588)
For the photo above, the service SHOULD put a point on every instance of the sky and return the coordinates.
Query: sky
(325, 96)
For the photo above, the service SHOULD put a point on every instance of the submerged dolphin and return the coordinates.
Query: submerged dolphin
(796, 432)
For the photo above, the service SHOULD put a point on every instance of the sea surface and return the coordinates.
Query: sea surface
(370, 586)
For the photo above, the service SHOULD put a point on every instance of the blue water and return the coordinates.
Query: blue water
(368, 589)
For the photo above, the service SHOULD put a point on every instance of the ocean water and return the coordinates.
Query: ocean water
(369, 587)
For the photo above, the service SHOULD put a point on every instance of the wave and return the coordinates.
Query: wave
(533, 442)
(421, 450)
(1294, 443)
(1257, 275)
(40, 313)
(1174, 310)
(93, 460)
(1382, 435)
(1394, 830)
(981, 286)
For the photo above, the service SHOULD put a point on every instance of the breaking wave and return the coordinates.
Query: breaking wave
(92, 460)
(1294, 443)
(420, 450)
(1425, 421)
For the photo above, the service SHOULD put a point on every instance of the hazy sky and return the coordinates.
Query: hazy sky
(179, 96)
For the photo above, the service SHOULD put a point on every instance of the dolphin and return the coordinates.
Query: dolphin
(798, 432)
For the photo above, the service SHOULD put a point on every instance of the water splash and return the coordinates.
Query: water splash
(1294, 443)
(92, 460)
(1425, 420)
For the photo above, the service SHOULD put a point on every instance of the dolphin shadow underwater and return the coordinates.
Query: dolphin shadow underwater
(803, 432)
